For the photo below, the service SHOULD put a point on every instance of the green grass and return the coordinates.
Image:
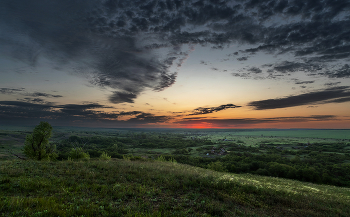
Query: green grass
(146, 188)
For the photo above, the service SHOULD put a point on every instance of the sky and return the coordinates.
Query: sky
(175, 64)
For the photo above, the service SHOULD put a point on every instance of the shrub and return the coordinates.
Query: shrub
(78, 154)
(105, 156)
(161, 158)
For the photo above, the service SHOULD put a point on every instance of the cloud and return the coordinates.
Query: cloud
(119, 97)
(254, 70)
(114, 43)
(252, 121)
(84, 34)
(149, 118)
(332, 83)
(340, 100)
(343, 72)
(241, 75)
(201, 111)
(288, 66)
(34, 100)
(330, 95)
(242, 58)
(5, 90)
(29, 113)
(203, 62)
(231, 54)
(303, 82)
(40, 94)
(21, 92)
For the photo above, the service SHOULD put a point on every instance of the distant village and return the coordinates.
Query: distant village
(218, 151)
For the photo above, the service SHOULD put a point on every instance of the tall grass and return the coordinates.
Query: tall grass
(154, 188)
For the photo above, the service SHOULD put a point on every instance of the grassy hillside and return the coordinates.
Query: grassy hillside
(145, 188)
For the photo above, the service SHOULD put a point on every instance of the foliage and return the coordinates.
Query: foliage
(161, 158)
(172, 160)
(78, 154)
(126, 157)
(37, 145)
(217, 166)
(105, 156)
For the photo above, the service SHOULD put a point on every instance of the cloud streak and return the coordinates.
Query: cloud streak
(330, 95)
(5, 90)
(29, 113)
(252, 121)
(202, 111)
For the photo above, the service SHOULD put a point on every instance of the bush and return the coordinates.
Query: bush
(105, 156)
(161, 158)
(78, 154)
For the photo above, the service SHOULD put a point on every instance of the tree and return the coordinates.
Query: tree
(37, 145)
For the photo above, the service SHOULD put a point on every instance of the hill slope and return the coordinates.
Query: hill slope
(140, 188)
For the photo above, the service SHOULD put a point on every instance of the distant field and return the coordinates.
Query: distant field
(326, 134)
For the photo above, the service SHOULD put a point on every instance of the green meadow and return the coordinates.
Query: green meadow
(174, 173)
(156, 188)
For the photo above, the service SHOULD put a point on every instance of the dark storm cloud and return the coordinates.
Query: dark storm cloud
(335, 94)
(85, 34)
(114, 40)
(201, 111)
(250, 121)
(119, 97)
(313, 10)
(31, 111)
